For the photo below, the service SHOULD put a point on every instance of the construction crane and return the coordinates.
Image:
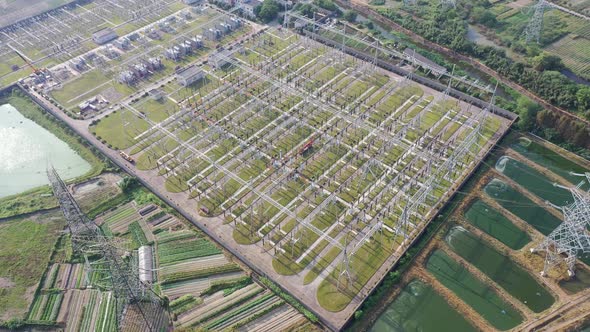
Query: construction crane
(36, 70)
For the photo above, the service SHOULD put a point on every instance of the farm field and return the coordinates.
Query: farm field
(192, 273)
(483, 260)
(300, 150)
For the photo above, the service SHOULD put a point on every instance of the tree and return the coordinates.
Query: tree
(583, 99)
(546, 61)
(127, 183)
(484, 17)
(267, 11)
(306, 9)
(527, 112)
(350, 16)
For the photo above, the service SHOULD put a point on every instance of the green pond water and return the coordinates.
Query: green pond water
(25, 150)
(515, 202)
(533, 181)
(496, 225)
(549, 159)
(480, 296)
(419, 307)
(499, 268)
(579, 282)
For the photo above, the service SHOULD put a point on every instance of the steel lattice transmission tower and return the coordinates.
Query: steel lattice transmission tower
(533, 29)
(571, 238)
(137, 307)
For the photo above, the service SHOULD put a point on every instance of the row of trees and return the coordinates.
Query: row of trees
(448, 29)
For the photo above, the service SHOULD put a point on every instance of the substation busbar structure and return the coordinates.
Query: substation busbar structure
(427, 148)
(380, 52)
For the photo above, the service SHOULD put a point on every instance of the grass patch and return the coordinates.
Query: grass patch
(27, 245)
(119, 129)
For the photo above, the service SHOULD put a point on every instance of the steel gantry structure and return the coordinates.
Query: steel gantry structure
(389, 53)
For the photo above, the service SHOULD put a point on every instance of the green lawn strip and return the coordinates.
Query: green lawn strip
(363, 265)
(323, 263)
(75, 91)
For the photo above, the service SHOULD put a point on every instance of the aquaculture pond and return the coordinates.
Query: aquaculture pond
(533, 181)
(419, 307)
(527, 210)
(549, 159)
(480, 296)
(579, 282)
(499, 268)
(492, 222)
(26, 150)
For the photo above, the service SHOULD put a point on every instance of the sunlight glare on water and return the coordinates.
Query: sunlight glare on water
(25, 150)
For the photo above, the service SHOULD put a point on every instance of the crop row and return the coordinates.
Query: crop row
(106, 314)
(171, 252)
(184, 303)
(88, 320)
(119, 214)
(179, 276)
(218, 306)
(243, 311)
(137, 234)
(166, 236)
(46, 307)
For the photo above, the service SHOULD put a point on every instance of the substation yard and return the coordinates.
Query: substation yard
(65, 33)
(303, 160)
(315, 168)
(99, 78)
(481, 262)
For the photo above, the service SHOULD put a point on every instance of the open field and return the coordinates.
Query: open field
(27, 244)
(482, 262)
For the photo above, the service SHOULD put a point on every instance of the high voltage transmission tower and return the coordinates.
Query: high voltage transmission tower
(571, 238)
(533, 29)
(137, 307)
